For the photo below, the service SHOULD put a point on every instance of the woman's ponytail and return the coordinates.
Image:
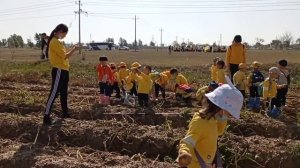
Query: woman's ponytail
(61, 27)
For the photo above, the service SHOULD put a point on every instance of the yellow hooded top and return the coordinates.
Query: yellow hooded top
(57, 55)
(213, 72)
(240, 80)
(144, 83)
(221, 76)
(202, 135)
(236, 53)
(123, 73)
(269, 88)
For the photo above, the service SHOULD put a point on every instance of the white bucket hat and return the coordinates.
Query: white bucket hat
(228, 98)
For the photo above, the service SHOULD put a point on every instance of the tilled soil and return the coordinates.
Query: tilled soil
(122, 136)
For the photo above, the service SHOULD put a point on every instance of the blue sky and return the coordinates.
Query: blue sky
(200, 21)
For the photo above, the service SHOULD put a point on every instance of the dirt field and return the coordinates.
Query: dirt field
(115, 136)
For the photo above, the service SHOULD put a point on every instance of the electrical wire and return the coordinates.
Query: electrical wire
(34, 17)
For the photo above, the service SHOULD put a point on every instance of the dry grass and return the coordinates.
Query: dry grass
(155, 58)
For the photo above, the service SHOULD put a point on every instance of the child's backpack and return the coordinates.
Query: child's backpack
(257, 77)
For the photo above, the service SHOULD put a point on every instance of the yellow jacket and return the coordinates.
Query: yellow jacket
(167, 73)
(180, 79)
(117, 77)
(201, 92)
(123, 73)
(221, 76)
(129, 80)
(202, 135)
(236, 54)
(57, 55)
(240, 80)
(213, 72)
(162, 80)
(144, 83)
(269, 88)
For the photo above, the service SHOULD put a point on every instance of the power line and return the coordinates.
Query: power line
(196, 5)
(200, 12)
(34, 17)
(33, 7)
(34, 11)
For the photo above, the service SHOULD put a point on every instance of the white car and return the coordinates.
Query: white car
(124, 48)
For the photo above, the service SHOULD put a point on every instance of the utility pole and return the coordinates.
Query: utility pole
(161, 44)
(135, 33)
(79, 21)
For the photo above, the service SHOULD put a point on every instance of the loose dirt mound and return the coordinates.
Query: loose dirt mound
(16, 154)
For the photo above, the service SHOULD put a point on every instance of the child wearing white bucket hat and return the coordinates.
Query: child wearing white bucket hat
(199, 147)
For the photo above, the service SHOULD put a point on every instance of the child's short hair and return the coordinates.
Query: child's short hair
(173, 71)
(148, 67)
(103, 58)
(221, 63)
(283, 62)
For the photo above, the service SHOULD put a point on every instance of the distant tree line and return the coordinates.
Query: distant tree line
(286, 40)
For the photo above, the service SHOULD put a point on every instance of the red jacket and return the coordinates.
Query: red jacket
(105, 70)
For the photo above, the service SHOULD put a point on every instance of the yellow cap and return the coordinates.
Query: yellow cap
(256, 64)
(242, 65)
(122, 64)
(135, 65)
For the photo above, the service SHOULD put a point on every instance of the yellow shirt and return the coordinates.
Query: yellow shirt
(269, 89)
(202, 135)
(162, 80)
(180, 79)
(123, 73)
(240, 80)
(213, 72)
(129, 80)
(144, 83)
(57, 55)
(167, 73)
(116, 77)
(236, 54)
(221, 76)
(201, 92)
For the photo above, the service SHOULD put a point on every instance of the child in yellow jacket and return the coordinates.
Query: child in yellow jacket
(221, 72)
(199, 147)
(240, 78)
(160, 84)
(130, 80)
(123, 73)
(205, 89)
(213, 69)
(144, 85)
(270, 87)
(116, 80)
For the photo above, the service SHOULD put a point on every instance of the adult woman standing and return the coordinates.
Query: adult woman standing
(236, 54)
(199, 147)
(59, 59)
